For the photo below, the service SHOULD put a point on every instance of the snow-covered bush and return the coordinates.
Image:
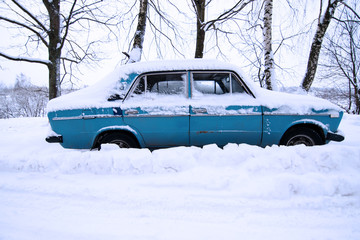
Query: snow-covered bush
(23, 100)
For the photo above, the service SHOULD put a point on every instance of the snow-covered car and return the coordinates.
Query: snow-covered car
(187, 103)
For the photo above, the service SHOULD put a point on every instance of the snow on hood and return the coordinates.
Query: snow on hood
(119, 82)
(282, 103)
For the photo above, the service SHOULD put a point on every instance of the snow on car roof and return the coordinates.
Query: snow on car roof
(119, 81)
(97, 94)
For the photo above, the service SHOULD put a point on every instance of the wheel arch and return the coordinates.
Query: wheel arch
(122, 130)
(318, 127)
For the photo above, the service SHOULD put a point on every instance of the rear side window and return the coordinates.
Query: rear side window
(216, 83)
(160, 84)
(166, 84)
(211, 83)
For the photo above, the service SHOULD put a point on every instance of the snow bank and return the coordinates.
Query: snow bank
(276, 172)
(238, 192)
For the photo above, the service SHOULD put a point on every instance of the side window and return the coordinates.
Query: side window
(166, 84)
(211, 83)
(160, 84)
(236, 85)
(140, 87)
(216, 83)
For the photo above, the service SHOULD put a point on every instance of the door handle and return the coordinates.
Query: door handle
(89, 117)
(199, 110)
(131, 112)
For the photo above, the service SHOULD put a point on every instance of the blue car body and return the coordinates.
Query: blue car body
(187, 103)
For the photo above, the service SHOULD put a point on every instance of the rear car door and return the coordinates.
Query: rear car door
(222, 110)
(157, 107)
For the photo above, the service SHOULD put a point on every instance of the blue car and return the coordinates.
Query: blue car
(187, 103)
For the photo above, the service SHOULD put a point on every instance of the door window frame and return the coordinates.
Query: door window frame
(238, 79)
(145, 75)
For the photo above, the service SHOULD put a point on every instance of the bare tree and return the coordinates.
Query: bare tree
(199, 6)
(203, 26)
(164, 29)
(51, 28)
(258, 45)
(268, 53)
(136, 51)
(23, 99)
(323, 24)
(27, 99)
(341, 54)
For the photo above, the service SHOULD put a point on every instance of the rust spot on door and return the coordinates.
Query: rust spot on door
(204, 132)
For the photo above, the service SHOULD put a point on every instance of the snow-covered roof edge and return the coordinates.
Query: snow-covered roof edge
(178, 65)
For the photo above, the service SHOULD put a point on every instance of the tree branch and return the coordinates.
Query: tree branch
(27, 27)
(167, 37)
(30, 15)
(227, 14)
(351, 9)
(25, 59)
(67, 24)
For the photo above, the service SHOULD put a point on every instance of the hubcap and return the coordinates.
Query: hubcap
(301, 139)
(121, 143)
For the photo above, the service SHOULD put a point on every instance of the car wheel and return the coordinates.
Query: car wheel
(122, 140)
(301, 135)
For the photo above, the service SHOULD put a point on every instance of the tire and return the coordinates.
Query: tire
(122, 140)
(302, 135)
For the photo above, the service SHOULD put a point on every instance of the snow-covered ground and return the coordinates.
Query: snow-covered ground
(239, 192)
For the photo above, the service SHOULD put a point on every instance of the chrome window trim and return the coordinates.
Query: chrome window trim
(286, 114)
(85, 117)
(154, 115)
(225, 115)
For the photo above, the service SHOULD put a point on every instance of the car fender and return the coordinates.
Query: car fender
(125, 128)
(325, 129)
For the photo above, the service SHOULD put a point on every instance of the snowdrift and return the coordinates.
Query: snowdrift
(275, 172)
(238, 192)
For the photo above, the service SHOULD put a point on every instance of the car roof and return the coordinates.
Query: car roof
(97, 94)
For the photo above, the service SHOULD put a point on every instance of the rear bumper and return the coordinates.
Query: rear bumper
(54, 139)
(335, 137)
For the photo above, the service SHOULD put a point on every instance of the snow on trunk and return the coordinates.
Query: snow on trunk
(135, 54)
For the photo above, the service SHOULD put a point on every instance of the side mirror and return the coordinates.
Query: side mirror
(115, 97)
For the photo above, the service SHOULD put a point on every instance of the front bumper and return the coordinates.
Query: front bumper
(334, 137)
(54, 139)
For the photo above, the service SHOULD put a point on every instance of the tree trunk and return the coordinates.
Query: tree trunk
(54, 50)
(357, 100)
(200, 32)
(54, 75)
(136, 51)
(316, 44)
(268, 55)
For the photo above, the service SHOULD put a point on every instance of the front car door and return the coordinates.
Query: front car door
(222, 110)
(157, 107)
